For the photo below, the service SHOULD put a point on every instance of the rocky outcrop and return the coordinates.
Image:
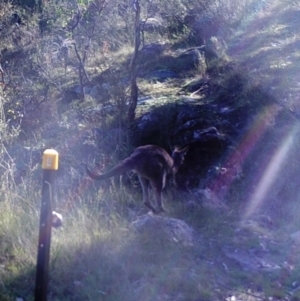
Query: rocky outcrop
(165, 230)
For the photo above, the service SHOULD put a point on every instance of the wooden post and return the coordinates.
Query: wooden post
(49, 165)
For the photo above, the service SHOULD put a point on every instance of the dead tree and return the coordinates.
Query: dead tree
(133, 63)
(89, 17)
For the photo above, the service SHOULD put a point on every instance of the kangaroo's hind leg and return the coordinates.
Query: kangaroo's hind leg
(145, 186)
(158, 186)
(160, 206)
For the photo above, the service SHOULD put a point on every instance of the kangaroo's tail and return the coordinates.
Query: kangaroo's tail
(117, 170)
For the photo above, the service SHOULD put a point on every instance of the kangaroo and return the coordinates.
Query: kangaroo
(153, 165)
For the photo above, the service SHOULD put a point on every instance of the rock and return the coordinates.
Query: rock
(146, 121)
(250, 262)
(164, 230)
(152, 25)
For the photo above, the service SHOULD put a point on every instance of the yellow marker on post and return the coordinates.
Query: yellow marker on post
(50, 159)
(49, 165)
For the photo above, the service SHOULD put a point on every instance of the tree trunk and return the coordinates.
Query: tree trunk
(133, 67)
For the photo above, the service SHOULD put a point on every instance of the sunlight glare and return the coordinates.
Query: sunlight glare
(270, 175)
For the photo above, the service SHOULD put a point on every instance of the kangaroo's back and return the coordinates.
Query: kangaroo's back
(145, 160)
(151, 159)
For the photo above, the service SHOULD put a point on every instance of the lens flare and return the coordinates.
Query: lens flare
(238, 156)
(270, 175)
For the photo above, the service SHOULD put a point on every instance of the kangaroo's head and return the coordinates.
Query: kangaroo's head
(178, 157)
